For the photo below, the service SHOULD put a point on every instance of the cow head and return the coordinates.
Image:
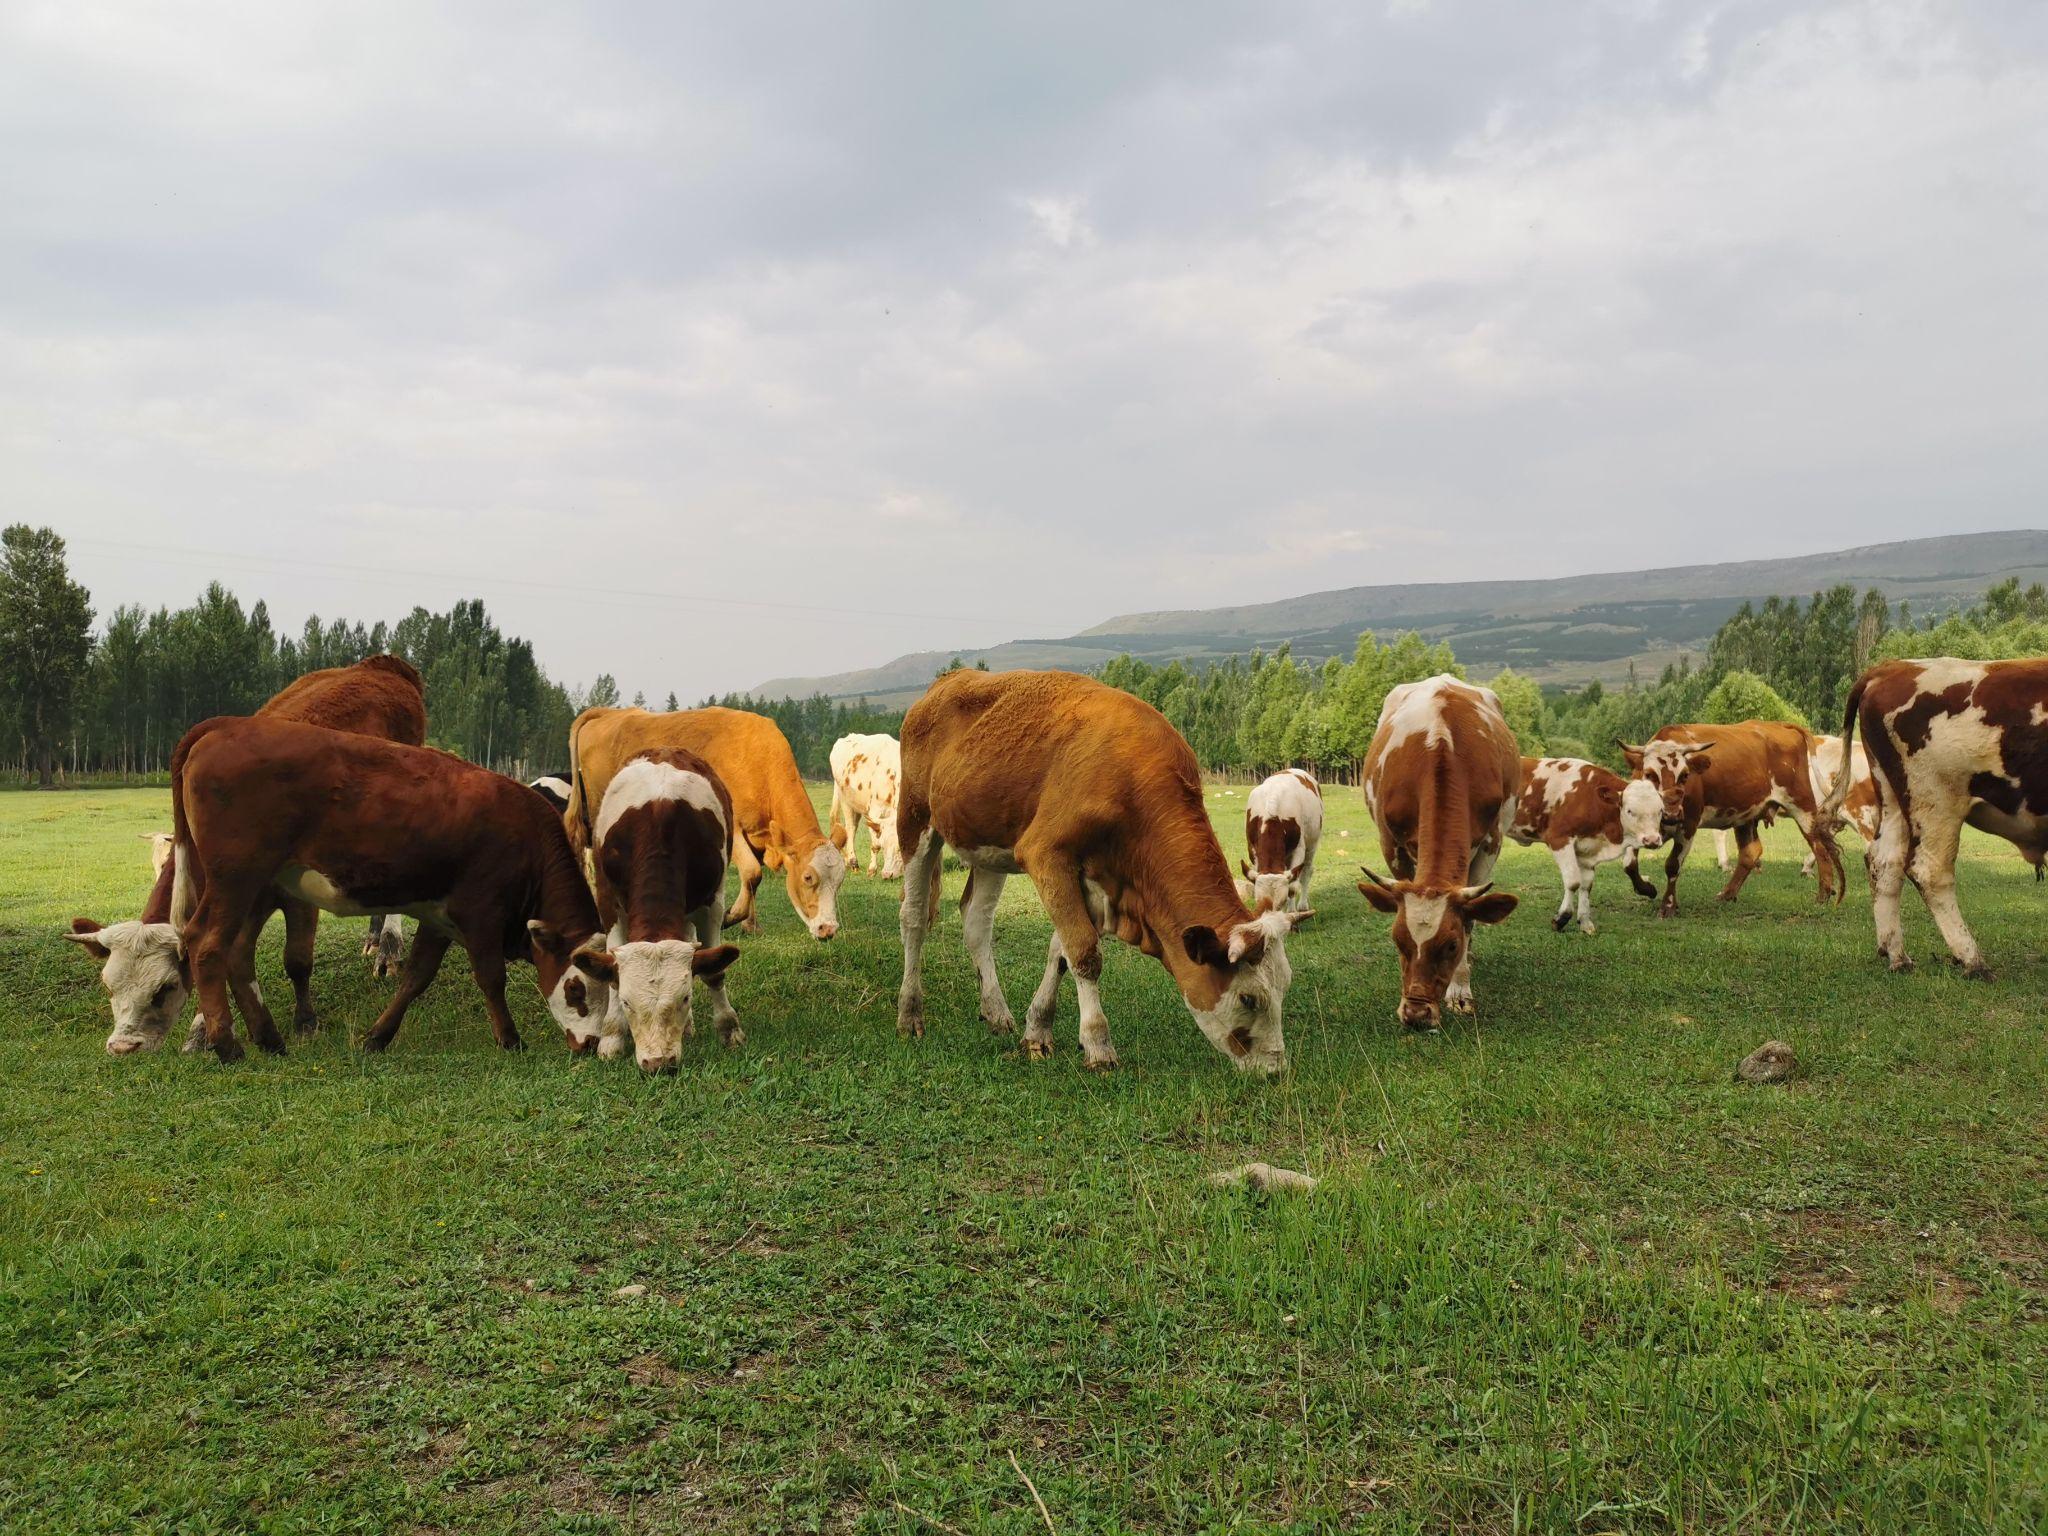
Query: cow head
(1432, 933)
(576, 977)
(654, 978)
(145, 977)
(814, 888)
(1248, 967)
(1268, 890)
(1642, 815)
(1669, 765)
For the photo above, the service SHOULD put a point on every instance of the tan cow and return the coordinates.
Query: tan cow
(774, 823)
(1952, 744)
(1091, 793)
(1734, 776)
(1859, 808)
(1586, 816)
(1441, 780)
(866, 770)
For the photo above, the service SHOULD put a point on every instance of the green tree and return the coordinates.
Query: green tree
(1522, 702)
(45, 640)
(1743, 696)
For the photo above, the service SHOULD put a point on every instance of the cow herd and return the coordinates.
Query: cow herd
(610, 878)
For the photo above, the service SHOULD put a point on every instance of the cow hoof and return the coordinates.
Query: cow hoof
(1000, 1024)
(734, 1038)
(1106, 1062)
(1667, 910)
(1724, 896)
(271, 1045)
(229, 1049)
(1464, 1007)
(1978, 971)
(513, 1044)
(306, 1024)
(1037, 1050)
(910, 1020)
(1588, 929)
(1560, 922)
(1898, 963)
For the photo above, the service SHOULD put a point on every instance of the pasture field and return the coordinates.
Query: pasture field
(1562, 1273)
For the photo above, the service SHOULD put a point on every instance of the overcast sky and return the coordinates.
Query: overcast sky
(715, 342)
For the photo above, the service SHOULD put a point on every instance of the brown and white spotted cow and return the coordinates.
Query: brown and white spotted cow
(142, 962)
(774, 823)
(866, 770)
(1092, 794)
(354, 825)
(1734, 776)
(1283, 827)
(1952, 744)
(658, 850)
(1441, 780)
(1586, 816)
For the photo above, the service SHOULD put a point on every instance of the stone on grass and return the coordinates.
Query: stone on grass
(1771, 1062)
(1263, 1178)
(630, 1291)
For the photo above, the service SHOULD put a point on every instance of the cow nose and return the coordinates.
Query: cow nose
(580, 1046)
(826, 930)
(1417, 1013)
(662, 1066)
(123, 1047)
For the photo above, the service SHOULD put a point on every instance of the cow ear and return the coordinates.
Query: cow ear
(1493, 907)
(85, 932)
(839, 836)
(713, 961)
(1244, 867)
(1203, 947)
(546, 939)
(1699, 762)
(600, 964)
(1379, 898)
(1608, 792)
(1247, 944)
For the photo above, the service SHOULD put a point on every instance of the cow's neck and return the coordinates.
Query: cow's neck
(657, 896)
(565, 901)
(1181, 881)
(1443, 826)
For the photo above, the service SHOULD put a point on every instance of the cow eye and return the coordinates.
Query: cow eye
(1249, 1001)
(163, 994)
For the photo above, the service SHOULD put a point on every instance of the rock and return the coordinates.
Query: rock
(1771, 1062)
(630, 1291)
(1263, 1178)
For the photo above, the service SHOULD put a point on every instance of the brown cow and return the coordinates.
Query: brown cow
(1734, 776)
(658, 851)
(774, 822)
(1441, 779)
(1283, 827)
(1091, 793)
(1586, 816)
(1952, 744)
(354, 825)
(143, 968)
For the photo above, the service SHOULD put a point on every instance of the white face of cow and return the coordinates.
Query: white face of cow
(1277, 892)
(144, 983)
(814, 889)
(655, 979)
(1642, 815)
(1244, 1023)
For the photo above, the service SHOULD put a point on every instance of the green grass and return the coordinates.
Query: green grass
(1562, 1273)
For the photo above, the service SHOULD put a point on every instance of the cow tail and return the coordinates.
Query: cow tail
(1831, 808)
(185, 870)
(576, 815)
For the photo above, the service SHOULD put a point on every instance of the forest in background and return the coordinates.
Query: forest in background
(113, 702)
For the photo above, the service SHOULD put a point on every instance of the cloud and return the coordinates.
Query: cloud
(1030, 316)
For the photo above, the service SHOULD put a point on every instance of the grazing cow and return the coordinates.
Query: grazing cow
(1091, 793)
(1283, 824)
(866, 771)
(1586, 816)
(553, 788)
(774, 823)
(354, 825)
(658, 850)
(143, 967)
(1441, 780)
(1734, 776)
(1952, 744)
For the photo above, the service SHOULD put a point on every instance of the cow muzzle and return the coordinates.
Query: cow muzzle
(823, 931)
(1420, 1013)
(660, 1066)
(580, 1045)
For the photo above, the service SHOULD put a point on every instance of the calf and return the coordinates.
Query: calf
(160, 845)
(1586, 816)
(353, 825)
(1441, 780)
(774, 823)
(1952, 744)
(1283, 825)
(142, 962)
(1734, 776)
(866, 772)
(658, 850)
(1092, 794)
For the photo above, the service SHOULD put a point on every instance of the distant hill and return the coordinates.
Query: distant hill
(1567, 629)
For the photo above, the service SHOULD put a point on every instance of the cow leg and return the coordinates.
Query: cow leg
(748, 863)
(1633, 867)
(978, 918)
(1721, 848)
(389, 938)
(1822, 855)
(1749, 852)
(1674, 865)
(723, 1015)
(1586, 868)
(1932, 868)
(1568, 873)
(615, 1037)
(211, 935)
(1886, 859)
(874, 847)
(1045, 1002)
(301, 929)
(920, 885)
(1059, 883)
(422, 962)
(487, 965)
(242, 984)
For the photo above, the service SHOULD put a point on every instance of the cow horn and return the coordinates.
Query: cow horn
(1375, 879)
(1474, 892)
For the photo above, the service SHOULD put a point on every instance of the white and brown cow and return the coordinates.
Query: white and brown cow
(866, 771)
(1441, 779)
(1092, 794)
(775, 825)
(1586, 815)
(142, 964)
(658, 850)
(1952, 744)
(1735, 776)
(1283, 826)
(266, 808)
